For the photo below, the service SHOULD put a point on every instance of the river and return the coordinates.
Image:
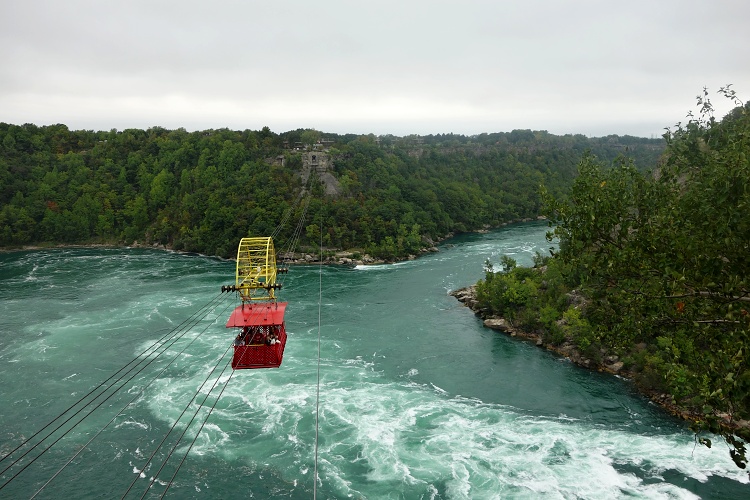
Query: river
(417, 400)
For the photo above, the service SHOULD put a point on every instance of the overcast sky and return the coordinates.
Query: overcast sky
(348, 66)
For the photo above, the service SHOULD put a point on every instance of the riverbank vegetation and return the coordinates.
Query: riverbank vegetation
(203, 191)
(652, 273)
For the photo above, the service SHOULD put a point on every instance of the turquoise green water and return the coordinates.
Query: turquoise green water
(417, 399)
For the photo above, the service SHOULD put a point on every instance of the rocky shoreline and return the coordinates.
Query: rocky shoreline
(351, 257)
(348, 258)
(609, 363)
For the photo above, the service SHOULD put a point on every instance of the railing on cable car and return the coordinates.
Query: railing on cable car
(259, 319)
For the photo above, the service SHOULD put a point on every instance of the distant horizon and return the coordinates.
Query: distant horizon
(193, 130)
(420, 67)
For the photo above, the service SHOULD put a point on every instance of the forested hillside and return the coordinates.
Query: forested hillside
(652, 275)
(202, 191)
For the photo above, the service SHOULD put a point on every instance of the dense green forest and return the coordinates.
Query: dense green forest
(203, 191)
(652, 273)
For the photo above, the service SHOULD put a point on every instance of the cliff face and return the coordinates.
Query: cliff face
(321, 163)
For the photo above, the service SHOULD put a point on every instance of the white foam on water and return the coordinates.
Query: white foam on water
(378, 436)
(438, 389)
(530, 455)
(138, 471)
(381, 267)
(211, 440)
(158, 481)
(32, 274)
(129, 422)
(38, 349)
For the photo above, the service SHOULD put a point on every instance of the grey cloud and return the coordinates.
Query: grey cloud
(432, 66)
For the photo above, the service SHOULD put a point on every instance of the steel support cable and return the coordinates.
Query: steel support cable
(85, 416)
(306, 199)
(285, 217)
(317, 393)
(99, 386)
(300, 226)
(195, 438)
(258, 313)
(121, 410)
(187, 426)
(291, 243)
(294, 240)
(171, 480)
(65, 433)
(175, 424)
(290, 246)
(104, 391)
(289, 211)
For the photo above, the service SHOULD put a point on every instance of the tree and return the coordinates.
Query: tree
(310, 137)
(663, 257)
(161, 189)
(413, 189)
(137, 213)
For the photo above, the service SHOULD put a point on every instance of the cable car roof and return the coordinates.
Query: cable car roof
(257, 314)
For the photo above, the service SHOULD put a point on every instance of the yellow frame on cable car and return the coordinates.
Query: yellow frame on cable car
(256, 269)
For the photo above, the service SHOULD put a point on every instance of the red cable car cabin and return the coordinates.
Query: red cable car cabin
(262, 335)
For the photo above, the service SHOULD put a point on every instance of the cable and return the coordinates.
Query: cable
(153, 479)
(85, 416)
(294, 240)
(173, 340)
(287, 214)
(195, 414)
(175, 423)
(94, 390)
(317, 394)
(289, 211)
(171, 480)
(121, 410)
(166, 342)
(291, 243)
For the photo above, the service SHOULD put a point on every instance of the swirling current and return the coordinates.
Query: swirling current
(417, 400)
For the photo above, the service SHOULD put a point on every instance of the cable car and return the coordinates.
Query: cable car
(259, 319)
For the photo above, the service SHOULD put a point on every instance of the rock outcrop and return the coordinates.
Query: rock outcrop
(608, 363)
